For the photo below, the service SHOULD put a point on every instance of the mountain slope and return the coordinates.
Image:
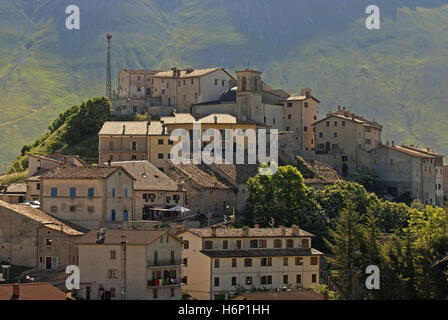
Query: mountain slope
(397, 74)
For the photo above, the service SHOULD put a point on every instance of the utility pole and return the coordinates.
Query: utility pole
(108, 74)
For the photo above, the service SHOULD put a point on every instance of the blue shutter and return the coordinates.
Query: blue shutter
(112, 216)
(125, 193)
(72, 192)
(54, 192)
(90, 192)
(125, 215)
(113, 193)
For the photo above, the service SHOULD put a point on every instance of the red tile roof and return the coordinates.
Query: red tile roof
(32, 291)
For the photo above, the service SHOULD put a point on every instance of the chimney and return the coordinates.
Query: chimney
(180, 229)
(213, 229)
(109, 163)
(343, 108)
(295, 230)
(256, 226)
(393, 143)
(245, 231)
(339, 108)
(174, 69)
(124, 128)
(283, 230)
(215, 118)
(180, 185)
(16, 290)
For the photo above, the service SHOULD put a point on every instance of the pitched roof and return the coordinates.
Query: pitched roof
(350, 116)
(131, 128)
(413, 152)
(200, 175)
(44, 218)
(58, 158)
(141, 71)
(32, 291)
(72, 172)
(16, 188)
(294, 97)
(147, 176)
(253, 232)
(189, 73)
(179, 118)
(35, 177)
(48, 158)
(133, 237)
(236, 173)
(261, 253)
(281, 295)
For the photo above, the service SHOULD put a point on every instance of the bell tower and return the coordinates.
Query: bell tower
(248, 95)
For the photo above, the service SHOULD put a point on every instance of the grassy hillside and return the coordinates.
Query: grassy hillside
(397, 74)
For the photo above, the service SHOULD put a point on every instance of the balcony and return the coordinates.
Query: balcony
(167, 282)
(164, 263)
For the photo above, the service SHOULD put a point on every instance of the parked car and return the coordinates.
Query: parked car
(32, 204)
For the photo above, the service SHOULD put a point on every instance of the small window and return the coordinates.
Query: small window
(305, 243)
(254, 244)
(113, 254)
(335, 123)
(113, 192)
(208, 244)
(321, 134)
(54, 192)
(38, 186)
(299, 278)
(277, 243)
(285, 261)
(343, 123)
(186, 244)
(216, 282)
(328, 123)
(238, 244)
(216, 263)
(290, 243)
(90, 192)
(335, 134)
(248, 262)
(172, 292)
(185, 262)
(289, 116)
(234, 281)
(160, 141)
(314, 261)
(285, 279)
(305, 129)
(248, 281)
(125, 193)
(48, 242)
(234, 263)
(160, 156)
(306, 104)
(225, 244)
(72, 209)
(299, 261)
(216, 82)
(314, 278)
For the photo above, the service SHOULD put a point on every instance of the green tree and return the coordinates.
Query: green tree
(365, 176)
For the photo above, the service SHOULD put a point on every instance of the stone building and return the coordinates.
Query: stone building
(343, 140)
(14, 193)
(407, 169)
(218, 261)
(88, 196)
(152, 188)
(30, 237)
(129, 265)
(158, 92)
(139, 140)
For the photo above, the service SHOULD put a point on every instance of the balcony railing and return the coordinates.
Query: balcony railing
(164, 263)
(163, 282)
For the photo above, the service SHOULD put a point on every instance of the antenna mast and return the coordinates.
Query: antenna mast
(108, 74)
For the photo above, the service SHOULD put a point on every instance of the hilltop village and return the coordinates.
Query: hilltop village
(142, 227)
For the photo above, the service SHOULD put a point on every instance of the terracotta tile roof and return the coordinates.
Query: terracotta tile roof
(141, 71)
(131, 128)
(59, 158)
(32, 291)
(72, 172)
(261, 253)
(350, 116)
(220, 118)
(179, 118)
(414, 152)
(48, 158)
(147, 176)
(253, 232)
(325, 172)
(200, 175)
(16, 188)
(42, 217)
(133, 237)
(424, 151)
(236, 173)
(35, 177)
(186, 74)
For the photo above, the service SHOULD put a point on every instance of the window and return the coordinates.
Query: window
(335, 123)
(290, 243)
(113, 292)
(160, 141)
(287, 128)
(90, 208)
(368, 129)
(113, 254)
(125, 193)
(192, 81)
(335, 134)
(344, 158)
(368, 141)
(113, 192)
(263, 243)
(208, 244)
(285, 261)
(285, 279)
(254, 244)
(289, 116)
(186, 244)
(248, 262)
(134, 145)
(72, 208)
(216, 282)
(238, 244)
(314, 261)
(343, 123)
(321, 135)
(112, 215)
(233, 263)
(113, 274)
(299, 261)
(328, 123)
(233, 281)
(306, 104)
(266, 262)
(160, 156)
(38, 186)
(90, 192)
(216, 263)
(299, 278)
(48, 242)
(314, 278)
(225, 244)
(54, 209)
(54, 192)
(216, 82)
(305, 129)
(277, 243)
(289, 104)
(172, 292)
(185, 262)
(305, 243)
(266, 280)
(222, 83)
(248, 281)
(154, 293)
